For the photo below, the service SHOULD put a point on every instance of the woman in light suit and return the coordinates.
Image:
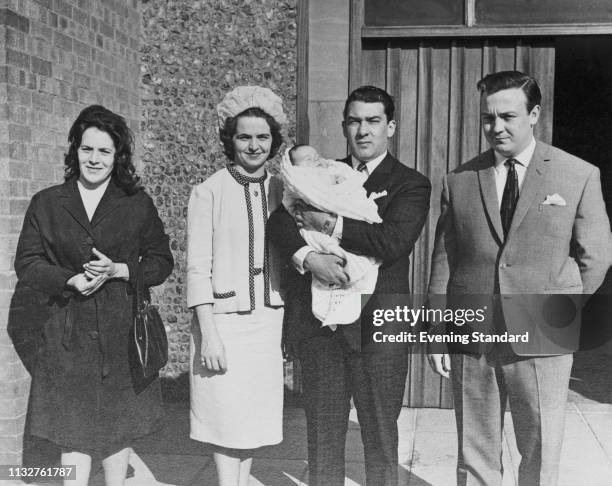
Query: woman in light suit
(236, 374)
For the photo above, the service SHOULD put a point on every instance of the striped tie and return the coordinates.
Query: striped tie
(363, 167)
(510, 196)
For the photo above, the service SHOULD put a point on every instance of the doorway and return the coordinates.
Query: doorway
(582, 125)
(582, 120)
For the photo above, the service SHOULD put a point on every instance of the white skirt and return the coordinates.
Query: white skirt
(242, 408)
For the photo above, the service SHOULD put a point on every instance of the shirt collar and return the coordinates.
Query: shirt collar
(523, 157)
(371, 165)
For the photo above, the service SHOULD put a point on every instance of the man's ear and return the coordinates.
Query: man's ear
(534, 115)
(391, 128)
(344, 129)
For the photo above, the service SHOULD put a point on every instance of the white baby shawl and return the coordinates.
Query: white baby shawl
(340, 305)
(334, 188)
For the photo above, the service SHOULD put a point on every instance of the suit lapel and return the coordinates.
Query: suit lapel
(109, 202)
(488, 191)
(532, 186)
(71, 201)
(377, 180)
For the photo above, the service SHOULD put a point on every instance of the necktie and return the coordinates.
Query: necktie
(363, 167)
(510, 196)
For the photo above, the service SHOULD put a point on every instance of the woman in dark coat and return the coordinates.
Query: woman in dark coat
(81, 245)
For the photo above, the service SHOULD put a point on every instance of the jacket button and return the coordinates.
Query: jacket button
(93, 335)
(89, 240)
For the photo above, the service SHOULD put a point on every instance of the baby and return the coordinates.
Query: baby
(329, 172)
(305, 156)
(332, 187)
(328, 185)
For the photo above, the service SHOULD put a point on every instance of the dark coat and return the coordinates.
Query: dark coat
(81, 394)
(403, 211)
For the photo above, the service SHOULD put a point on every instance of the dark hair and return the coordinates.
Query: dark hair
(371, 94)
(124, 172)
(228, 131)
(494, 82)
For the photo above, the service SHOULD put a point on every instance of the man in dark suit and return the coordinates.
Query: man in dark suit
(343, 363)
(522, 223)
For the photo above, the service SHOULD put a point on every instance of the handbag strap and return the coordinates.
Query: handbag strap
(140, 292)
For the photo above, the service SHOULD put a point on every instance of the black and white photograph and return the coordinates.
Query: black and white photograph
(305, 242)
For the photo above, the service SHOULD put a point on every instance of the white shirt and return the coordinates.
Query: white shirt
(501, 171)
(300, 255)
(371, 165)
(91, 197)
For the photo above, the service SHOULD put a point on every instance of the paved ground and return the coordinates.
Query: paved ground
(427, 449)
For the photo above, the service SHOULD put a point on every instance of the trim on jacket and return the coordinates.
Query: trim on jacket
(244, 181)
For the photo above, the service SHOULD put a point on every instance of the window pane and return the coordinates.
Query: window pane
(542, 11)
(413, 12)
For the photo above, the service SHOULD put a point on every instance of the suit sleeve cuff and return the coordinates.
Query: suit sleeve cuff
(337, 233)
(199, 291)
(298, 258)
(133, 272)
(67, 291)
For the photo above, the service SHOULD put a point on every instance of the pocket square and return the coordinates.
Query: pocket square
(554, 200)
(376, 195)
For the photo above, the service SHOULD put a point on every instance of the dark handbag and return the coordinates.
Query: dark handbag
(148, 343)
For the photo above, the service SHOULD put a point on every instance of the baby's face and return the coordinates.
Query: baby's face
(305, 156)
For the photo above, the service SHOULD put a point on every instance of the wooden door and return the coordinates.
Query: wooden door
(433, 82)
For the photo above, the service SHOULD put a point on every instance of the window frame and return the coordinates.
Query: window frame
(470, 29)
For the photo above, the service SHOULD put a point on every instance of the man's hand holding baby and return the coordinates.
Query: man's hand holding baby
(310, 218)
(327, 268)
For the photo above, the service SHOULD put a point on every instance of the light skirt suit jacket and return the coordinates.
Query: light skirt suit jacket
(220, 269)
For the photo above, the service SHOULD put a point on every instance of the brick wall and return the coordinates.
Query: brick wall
(56, 56)
(193, 52)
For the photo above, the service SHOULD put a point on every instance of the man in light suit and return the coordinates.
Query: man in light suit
(343, 363)
(521, 218)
